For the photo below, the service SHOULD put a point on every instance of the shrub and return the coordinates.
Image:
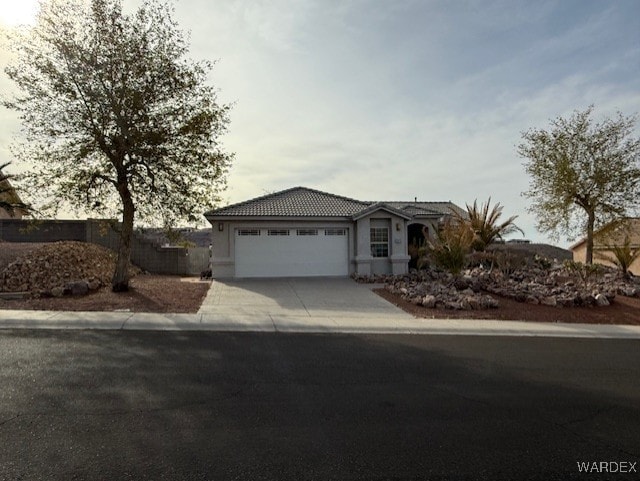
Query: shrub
(584, 272)
(484, 223)
(621, 256)
(449, 251)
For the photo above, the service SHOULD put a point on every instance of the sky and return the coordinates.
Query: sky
(400, 99)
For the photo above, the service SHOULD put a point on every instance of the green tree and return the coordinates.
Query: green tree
(485, 224)
(117, 119)
(583, 174)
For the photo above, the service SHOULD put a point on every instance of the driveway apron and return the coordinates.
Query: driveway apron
(299, 301)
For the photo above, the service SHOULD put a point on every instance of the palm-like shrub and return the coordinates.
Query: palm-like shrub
(484, 223)
(622, 256)
(464, 232)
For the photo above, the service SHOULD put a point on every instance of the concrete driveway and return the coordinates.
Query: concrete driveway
(300, 301)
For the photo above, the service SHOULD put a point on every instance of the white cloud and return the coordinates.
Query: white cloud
(393, 100)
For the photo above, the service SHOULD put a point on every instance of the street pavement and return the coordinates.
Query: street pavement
(193, 405)
(313, 380)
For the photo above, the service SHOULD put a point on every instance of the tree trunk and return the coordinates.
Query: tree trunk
(590, 224)
(120, 281)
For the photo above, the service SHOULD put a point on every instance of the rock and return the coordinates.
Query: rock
(601, 300)
(473, 302)
(78, 288)
(453, 305)
(549, 301)
(532, 300)
(520, 296)
(567, 301)
(57, 291)
(56, 264)
(488, 302)
(558, 286)
(94, 284)
(627, 291)
(429, 301)
(417, 300)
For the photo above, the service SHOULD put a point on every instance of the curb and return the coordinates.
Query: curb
(264, 322)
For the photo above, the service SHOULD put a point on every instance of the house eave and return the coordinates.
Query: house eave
(276, 218)
(378, 207)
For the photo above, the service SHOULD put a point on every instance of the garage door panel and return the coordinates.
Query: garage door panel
(291, 255)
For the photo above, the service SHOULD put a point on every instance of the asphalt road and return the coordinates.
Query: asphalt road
(262, 406)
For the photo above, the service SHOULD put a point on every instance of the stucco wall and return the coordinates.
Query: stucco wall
(397, 262)
(580, 255)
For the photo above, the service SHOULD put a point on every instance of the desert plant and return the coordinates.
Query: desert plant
(622, 256)
(509, 262)
(542, 262)
(486, 259)
(584, 272)
(450, 249)
(485, 225)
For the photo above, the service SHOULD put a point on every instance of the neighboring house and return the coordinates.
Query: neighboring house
(613, 234)
(306, 232)
(8, 195)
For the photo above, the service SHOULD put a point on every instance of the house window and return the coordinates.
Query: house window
(278, 232)
(379, 242)
(307, 232)
(246, 232)
(335, 232)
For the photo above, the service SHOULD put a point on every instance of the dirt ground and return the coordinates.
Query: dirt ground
(148, 293)
(623, 310)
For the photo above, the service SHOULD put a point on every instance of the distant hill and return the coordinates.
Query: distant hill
(198, 237)
(543, 250)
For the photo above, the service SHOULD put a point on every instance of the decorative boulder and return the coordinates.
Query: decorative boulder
(78, 288)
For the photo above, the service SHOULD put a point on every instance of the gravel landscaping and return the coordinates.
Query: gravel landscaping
(552, 294)
(48, 275)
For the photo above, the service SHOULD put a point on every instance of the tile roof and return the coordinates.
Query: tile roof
(294, 202)
(305, 202)
(378, 206)
(426, 208)
(415, 210)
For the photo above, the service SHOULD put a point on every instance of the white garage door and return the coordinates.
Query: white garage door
(298, 252)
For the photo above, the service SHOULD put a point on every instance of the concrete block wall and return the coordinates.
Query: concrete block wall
(20, 230)
(144, 253)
